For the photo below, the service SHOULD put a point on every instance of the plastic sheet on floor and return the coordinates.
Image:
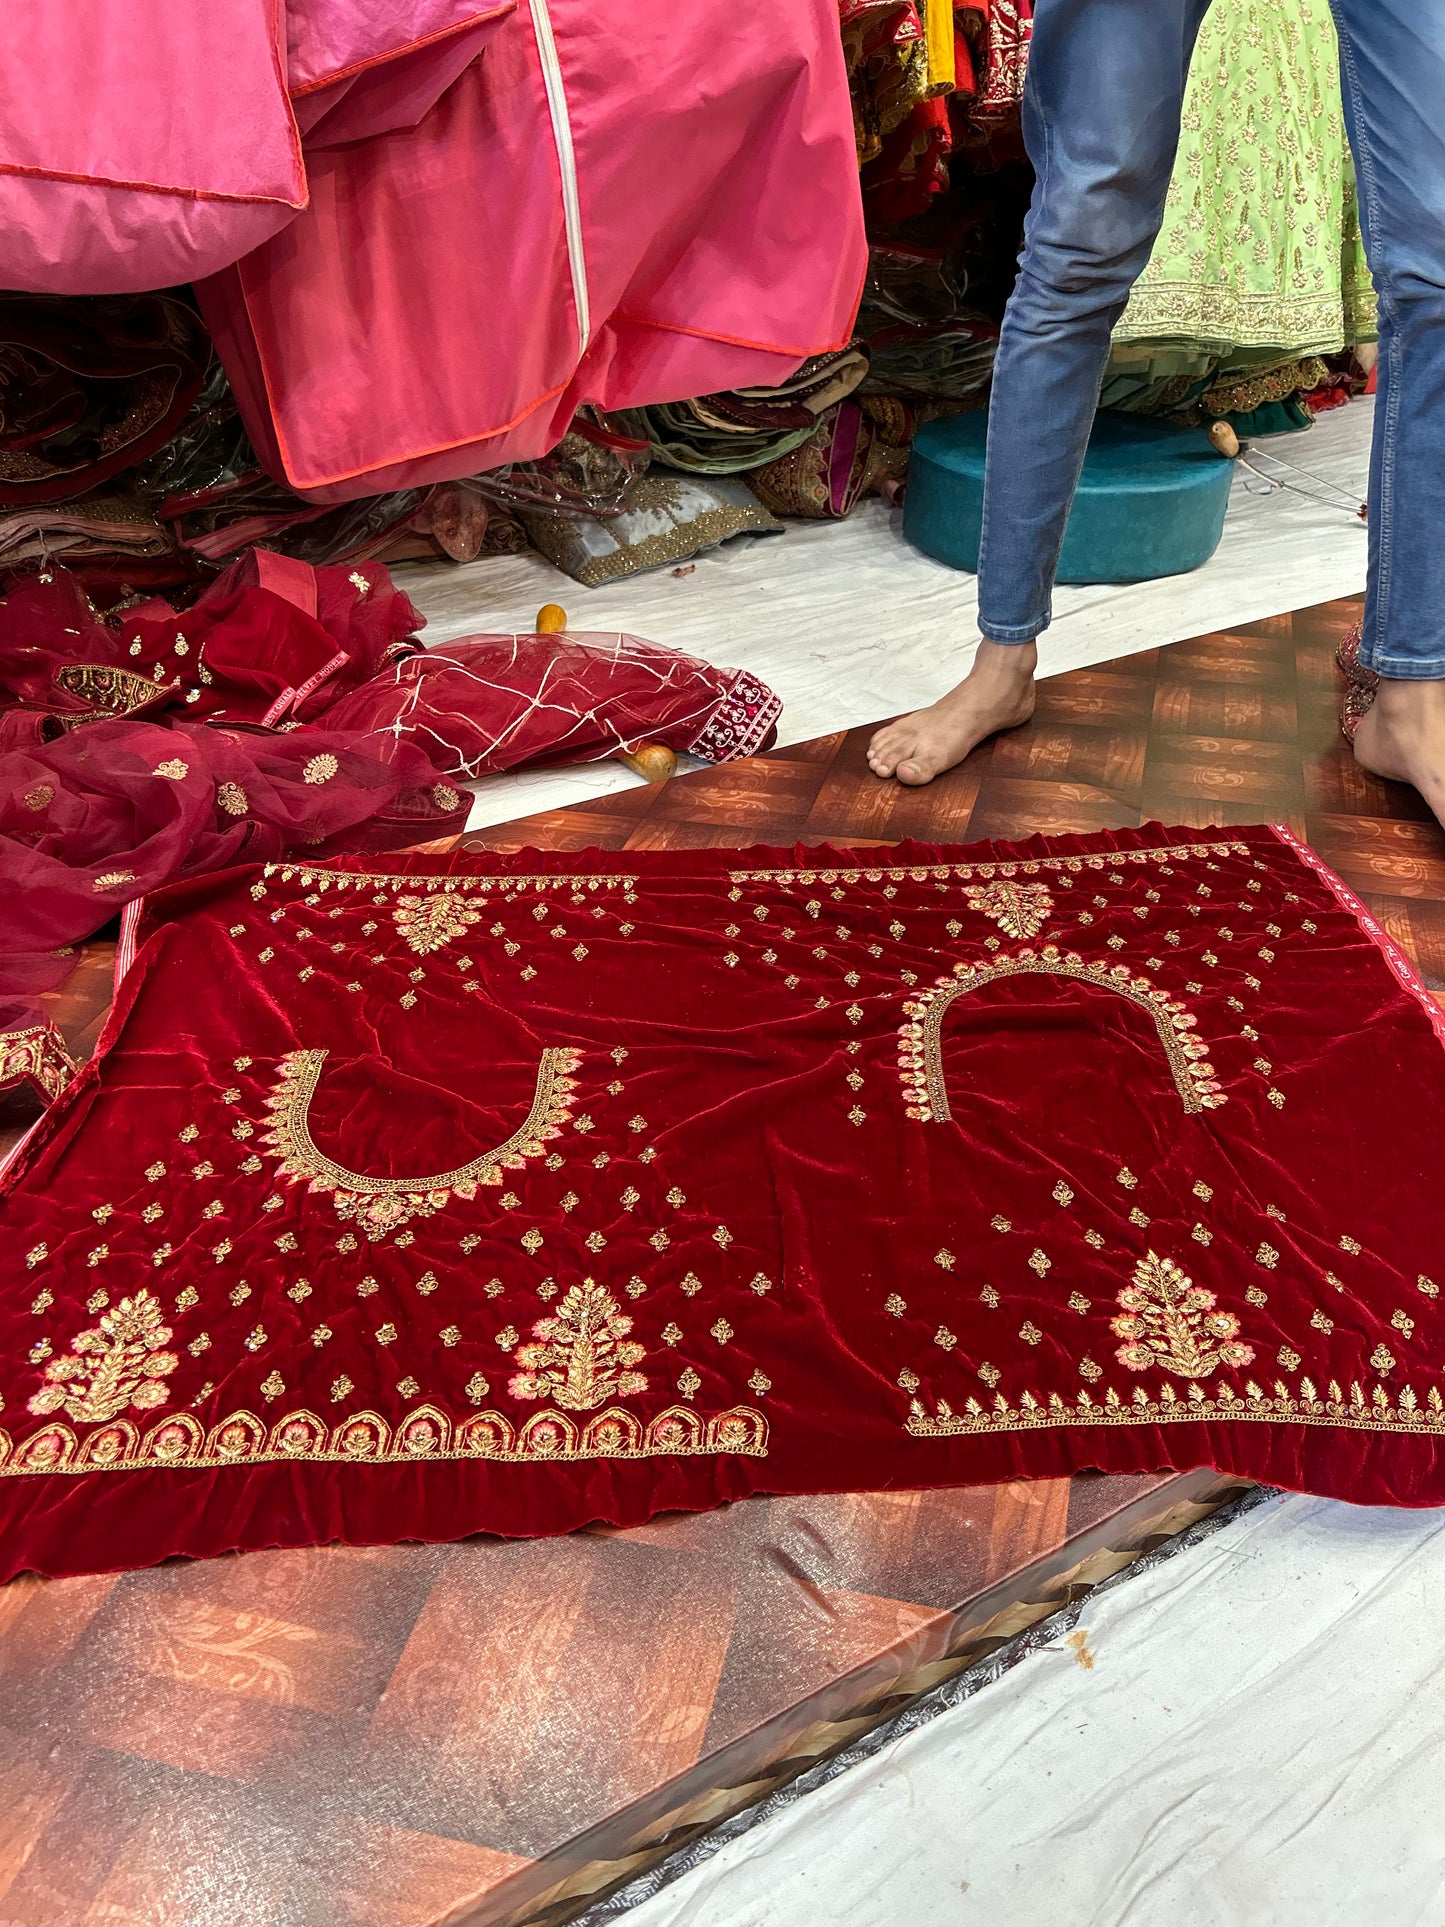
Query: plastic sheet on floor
(850, 624)
(1248, 1733)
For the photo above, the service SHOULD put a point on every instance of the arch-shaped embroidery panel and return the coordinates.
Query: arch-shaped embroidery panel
(920, 1036)
(378, 1205)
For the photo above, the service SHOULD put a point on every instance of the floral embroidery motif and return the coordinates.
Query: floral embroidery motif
(380, 1205)
(445, 797)
(118, 1362)
(113, 879)
(583, 1355)
(175, 769)
(232, 799)
(1170, 1322)
(430, 923)
(320, 769)
(1019, 909)
(40, 797)
(920, 1037)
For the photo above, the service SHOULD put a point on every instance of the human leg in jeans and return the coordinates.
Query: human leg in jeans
(1102, 104)
(1392, 59)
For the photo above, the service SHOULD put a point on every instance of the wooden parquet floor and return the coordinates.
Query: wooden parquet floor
(489, 1732)
(1236, 727)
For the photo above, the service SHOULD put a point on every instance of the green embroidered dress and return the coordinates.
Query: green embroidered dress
(1260, 262)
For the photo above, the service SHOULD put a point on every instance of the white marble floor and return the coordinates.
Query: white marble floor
(1253, 1740)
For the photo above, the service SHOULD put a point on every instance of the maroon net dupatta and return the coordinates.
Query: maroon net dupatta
(115, 809)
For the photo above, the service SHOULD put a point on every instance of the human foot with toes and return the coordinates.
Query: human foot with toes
(1402, 736)
(997, 693)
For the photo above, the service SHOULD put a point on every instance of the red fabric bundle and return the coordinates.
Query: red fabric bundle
(110, 785)
(505, 1194)
(490, 703)
(270, 641)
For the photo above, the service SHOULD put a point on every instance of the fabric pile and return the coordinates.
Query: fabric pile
(346, 414)
(289, 708)
(926, 83)
(633, 391)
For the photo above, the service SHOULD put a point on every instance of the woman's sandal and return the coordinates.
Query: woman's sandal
(1361, 684)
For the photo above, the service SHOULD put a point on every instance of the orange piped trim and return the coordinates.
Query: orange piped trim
(397, 53)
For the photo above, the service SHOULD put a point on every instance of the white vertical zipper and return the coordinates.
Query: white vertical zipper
(567, 163)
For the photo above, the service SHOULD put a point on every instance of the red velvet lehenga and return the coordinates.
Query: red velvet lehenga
(415, 1198)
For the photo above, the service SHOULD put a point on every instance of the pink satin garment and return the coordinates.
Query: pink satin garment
(150, 142)
(719, 242)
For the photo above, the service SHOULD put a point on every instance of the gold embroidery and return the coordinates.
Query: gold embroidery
(1019, 909)
(1031, 866)
(174, 768)
(109, 690)
(1365, 1411)
(408, 884)
(379, 1205)
(320, 769)
(39, 797)
(232, 799)
(920, 1053)
(113, 879)
(583, 1355)
(1169, 1321)
(430, 923)
(180, 1442)
(116, 1363)
(36, 1054)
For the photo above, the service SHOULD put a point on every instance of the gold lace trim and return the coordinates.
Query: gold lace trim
(180, 1442)
(1365, 1409)
(379, 1205)
(920, 1039)
(356, 879)
(1019, 866)
(1203, 311)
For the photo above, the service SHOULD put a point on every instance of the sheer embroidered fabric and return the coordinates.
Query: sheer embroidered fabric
(509, 1193)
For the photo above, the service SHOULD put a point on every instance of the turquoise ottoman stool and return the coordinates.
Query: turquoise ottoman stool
(1151, 501)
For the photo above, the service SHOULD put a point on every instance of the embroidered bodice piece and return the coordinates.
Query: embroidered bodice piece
(508, 1193)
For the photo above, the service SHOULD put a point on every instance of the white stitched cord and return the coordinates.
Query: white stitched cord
(567, 162)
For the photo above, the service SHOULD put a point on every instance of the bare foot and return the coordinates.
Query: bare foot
(1402, 736)
(997, 693)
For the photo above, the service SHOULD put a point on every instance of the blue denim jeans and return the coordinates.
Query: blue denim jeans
(1101, 119)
